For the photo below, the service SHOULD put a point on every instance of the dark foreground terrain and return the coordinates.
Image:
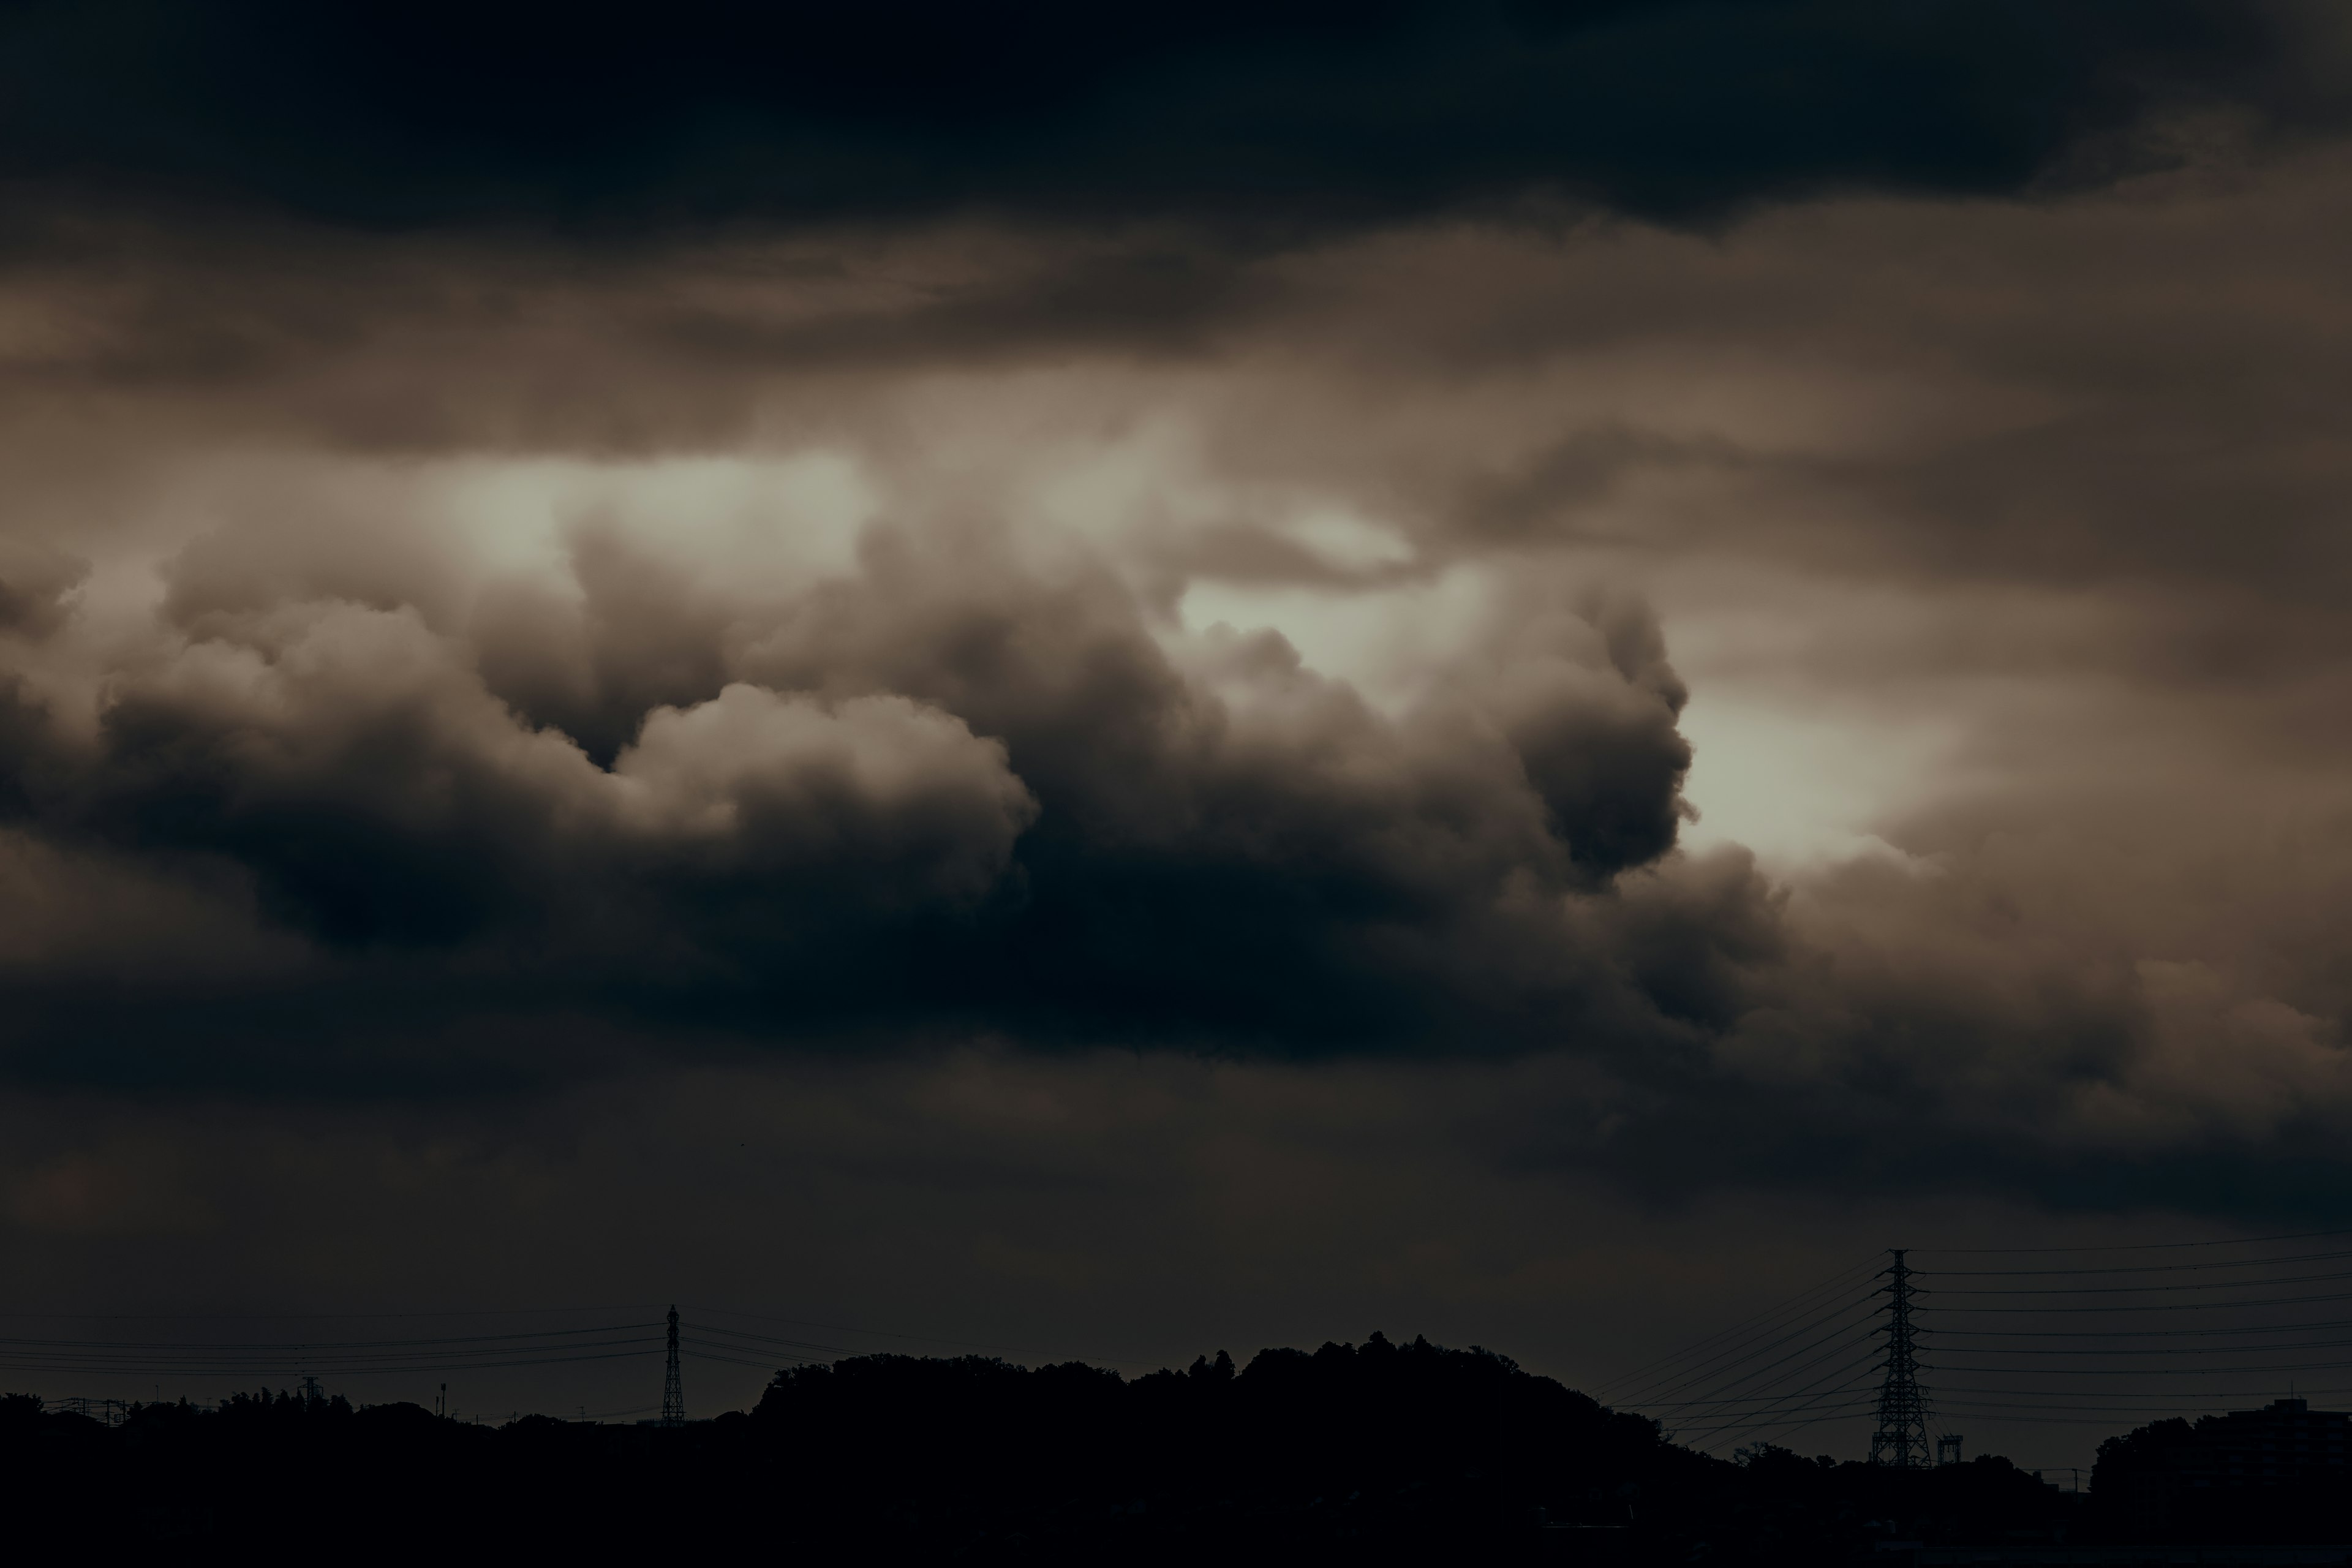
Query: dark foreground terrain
(1351, 1454)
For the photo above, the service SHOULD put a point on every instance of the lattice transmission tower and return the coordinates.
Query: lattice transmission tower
(673, 1391)
(1901, 1440)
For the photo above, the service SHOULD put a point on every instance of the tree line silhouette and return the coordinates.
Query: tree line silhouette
(1370, 1452)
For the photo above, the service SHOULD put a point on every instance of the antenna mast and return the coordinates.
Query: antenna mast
(674, 1392)
(1901, 1440)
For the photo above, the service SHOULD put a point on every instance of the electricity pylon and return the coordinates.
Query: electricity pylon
(1901, 1439)
(673, 1391)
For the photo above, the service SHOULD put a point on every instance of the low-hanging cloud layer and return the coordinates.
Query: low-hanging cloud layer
(933, 789)
(1801, 667)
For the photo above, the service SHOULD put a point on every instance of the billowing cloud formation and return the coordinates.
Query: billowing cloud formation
(377, 792)
(937, 789)
(463, 657)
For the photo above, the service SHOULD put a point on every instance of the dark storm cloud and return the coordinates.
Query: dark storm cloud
(1282, 115)
(313, 788)
(34, 581)
(943, 792)
(442, 826)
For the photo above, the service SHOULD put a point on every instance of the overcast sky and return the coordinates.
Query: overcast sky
(1118, 684)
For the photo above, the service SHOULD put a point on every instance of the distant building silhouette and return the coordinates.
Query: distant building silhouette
(2172, 1474)
(2285, 1440)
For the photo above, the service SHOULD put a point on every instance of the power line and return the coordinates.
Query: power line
(1803, 1416)
(265, 1353)
(2134, 1246)
(286, 1317)
(1811, 1420)
(1744, 1352)
(2209, 1394)
(2125, 1289)
(2134, 1334)
(700, 1354)
(225, 1364)
(1795, 1401)
(1715, 1405)
(2143, 1307)
(1769, 1379)
(2059, 1400)
(1624, 1379)
(1799, 1397)
(1804, 1400)
(1843, 1337)
(1832, 1353)
(1794, 1364)
(2140, 1410)
(2061, 1420)
(279, 1369)
(923, 1338)
(2148, 1267)
(2142, 1349)
(2152, 1371)
(1809, 1399)
(301, 1345)
(768, 1338)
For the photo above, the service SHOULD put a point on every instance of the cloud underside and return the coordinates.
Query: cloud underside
(476, 620)
(936, 792)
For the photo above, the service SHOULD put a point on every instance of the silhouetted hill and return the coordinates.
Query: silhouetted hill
(1382, 1445)
(1376, 1452)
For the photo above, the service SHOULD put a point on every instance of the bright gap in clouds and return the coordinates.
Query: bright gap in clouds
(1797, 782)
(730, 522)
(1385, 642)
(1797, 788)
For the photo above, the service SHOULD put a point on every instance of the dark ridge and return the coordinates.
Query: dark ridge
(1376, 1452)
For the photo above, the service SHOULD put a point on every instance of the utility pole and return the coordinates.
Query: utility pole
(1901, 1439)
(673, 1391)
